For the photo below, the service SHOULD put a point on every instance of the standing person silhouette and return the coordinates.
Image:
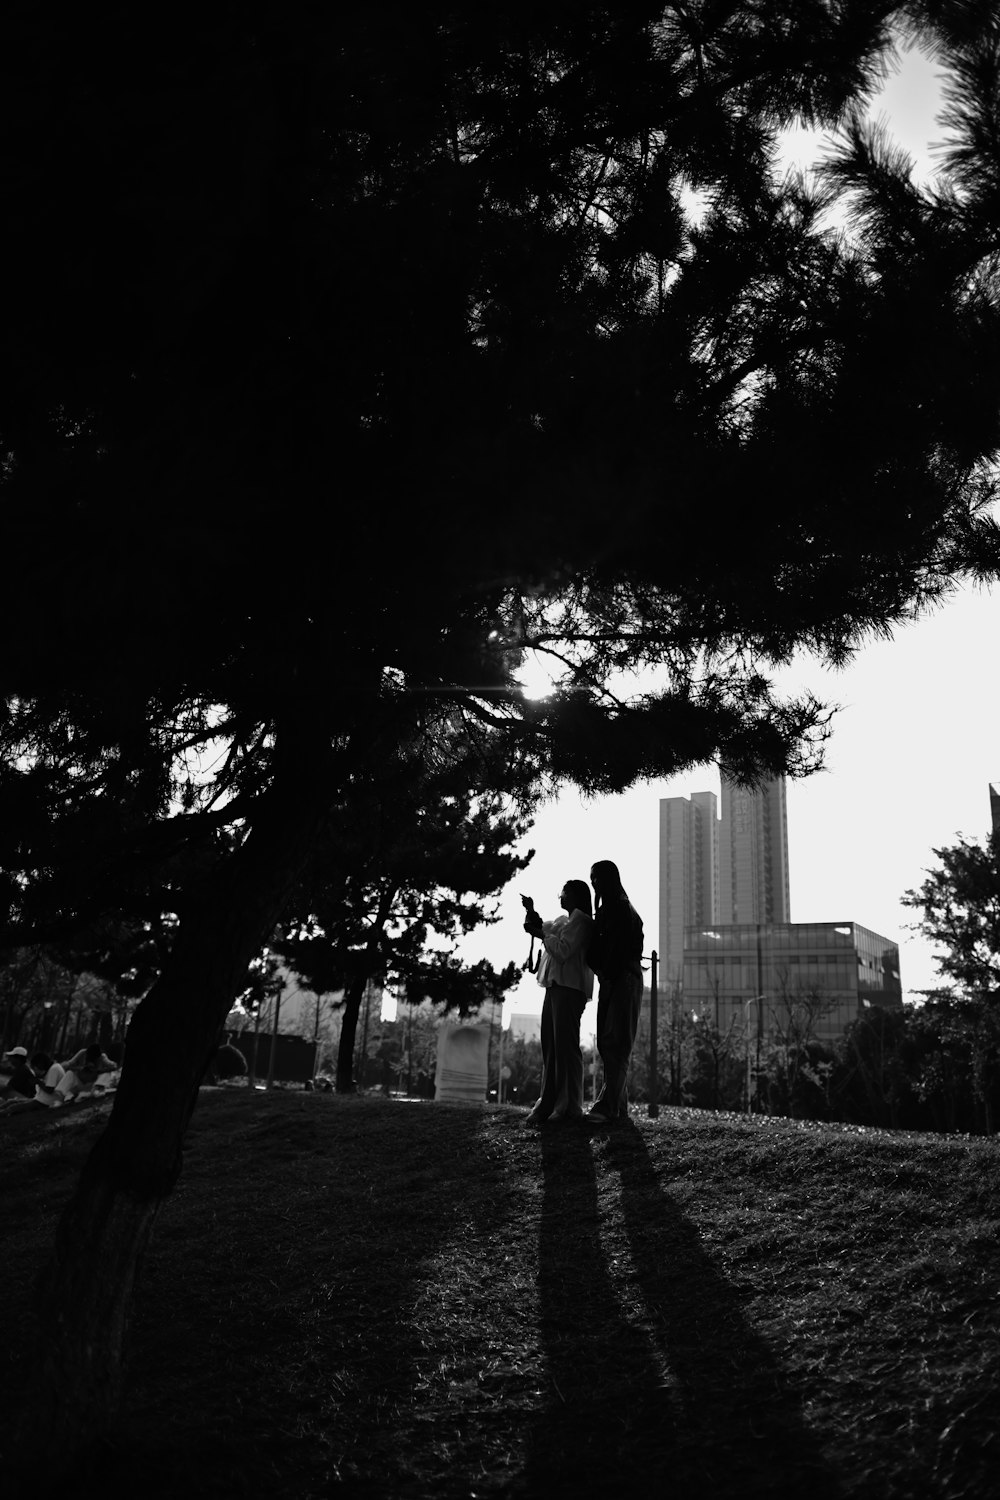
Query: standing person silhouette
(569, 983)
(615, 955)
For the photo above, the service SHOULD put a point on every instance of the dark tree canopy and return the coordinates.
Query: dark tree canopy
(389, 343)
(354, 353)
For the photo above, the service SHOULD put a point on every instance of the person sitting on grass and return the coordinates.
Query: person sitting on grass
(48, 1075)
(22, 1081)
(83, 1072)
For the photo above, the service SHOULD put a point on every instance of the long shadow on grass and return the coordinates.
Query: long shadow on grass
(742, 1426)
(604, 1380)
(656, 1377)
(313, 1371)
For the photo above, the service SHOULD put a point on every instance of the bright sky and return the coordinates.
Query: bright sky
(908, 767)
(914, 748)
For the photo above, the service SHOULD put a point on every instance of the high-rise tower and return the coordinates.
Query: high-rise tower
(753, 854)
(689, 875)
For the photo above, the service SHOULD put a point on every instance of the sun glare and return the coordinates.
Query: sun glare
(534, 676)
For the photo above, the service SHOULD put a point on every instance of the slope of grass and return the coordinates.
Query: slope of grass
(368, 1297)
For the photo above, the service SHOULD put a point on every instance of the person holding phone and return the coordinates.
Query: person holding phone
(568, 982)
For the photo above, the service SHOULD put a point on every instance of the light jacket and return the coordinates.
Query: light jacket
(564, 945)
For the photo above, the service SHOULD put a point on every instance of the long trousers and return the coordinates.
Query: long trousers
(562, 1063)
(618, 1007)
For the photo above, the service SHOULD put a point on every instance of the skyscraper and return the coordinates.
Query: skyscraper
(689, 875)
(715, 873)
(753, 854)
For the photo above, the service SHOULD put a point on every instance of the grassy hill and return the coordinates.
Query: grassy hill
(371, 1297)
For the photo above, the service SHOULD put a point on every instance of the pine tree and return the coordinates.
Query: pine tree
(400, 874)
(354, 355)
(959, 906)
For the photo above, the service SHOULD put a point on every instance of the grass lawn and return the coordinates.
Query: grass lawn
(379, 1298)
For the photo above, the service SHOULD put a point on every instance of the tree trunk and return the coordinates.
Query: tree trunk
(356, 990)
(85, 1293)
(83, 1301)
(348, 1034)
(105, 1034)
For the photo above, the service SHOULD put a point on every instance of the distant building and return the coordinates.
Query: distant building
(719, 871)
(753, 854)
(995, 808)
(523, 1024)
(689, 876)
(772, 975)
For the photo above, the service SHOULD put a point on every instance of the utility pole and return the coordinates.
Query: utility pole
(746, 1037)
(654, 1081)
(758, 1001)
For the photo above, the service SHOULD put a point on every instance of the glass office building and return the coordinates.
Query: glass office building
(772, 975)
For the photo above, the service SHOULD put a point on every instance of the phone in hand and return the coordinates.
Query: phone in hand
(527, 903)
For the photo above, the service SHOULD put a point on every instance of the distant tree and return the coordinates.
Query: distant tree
(717, 1068)
(416, 1037)
(793, 1057)
(403, 872)
(411, 306)
(29, 982)
(675, 1033)
(524, 1059)
(47, 1004)
(959, 904)
(957, 1064)
(876, 1081)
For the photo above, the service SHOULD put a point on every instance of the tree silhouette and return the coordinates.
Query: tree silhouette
(405, 867)
(353, 356)
(959, 904)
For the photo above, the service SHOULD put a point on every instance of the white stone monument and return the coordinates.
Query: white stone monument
(462, 1059)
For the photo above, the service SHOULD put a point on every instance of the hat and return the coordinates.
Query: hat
(18, 1052)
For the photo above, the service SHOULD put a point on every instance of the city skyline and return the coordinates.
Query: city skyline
(914, 748)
